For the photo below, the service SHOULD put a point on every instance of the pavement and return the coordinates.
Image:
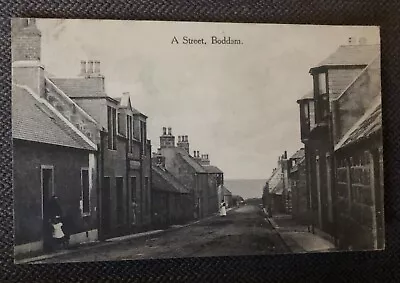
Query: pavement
(244, 231)
(298, 237)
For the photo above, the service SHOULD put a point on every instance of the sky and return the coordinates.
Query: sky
(237, 103)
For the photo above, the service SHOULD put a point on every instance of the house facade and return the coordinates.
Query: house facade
(187, 170)
(297, 179)
(112, 125)
(346, 90)
(125, 160)
(171, 201)
(53, 154)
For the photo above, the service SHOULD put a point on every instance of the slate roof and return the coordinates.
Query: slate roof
(33, 121)
(278, 188)
(369, 124)
(165, 181)
(212, 169)
(298, 154)
(352, 55)
(79, 87)
(190, 160)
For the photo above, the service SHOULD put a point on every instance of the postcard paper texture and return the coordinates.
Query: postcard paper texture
(139, 140)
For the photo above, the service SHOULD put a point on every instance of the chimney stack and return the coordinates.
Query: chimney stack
(97, 67)
(194, 153)
(169, 131)
(164, 131)
(90, 67)
(83, 68)
(180, 138)
(198, 154)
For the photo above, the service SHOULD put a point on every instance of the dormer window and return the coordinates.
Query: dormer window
(321, 96)
(322, 83)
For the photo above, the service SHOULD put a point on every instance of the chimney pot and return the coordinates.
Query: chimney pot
(169, 131)
(97, 67)
(164, 131)
(179, 138)
(198, 153)
(187, 138)
(194, 153)
(90, 67)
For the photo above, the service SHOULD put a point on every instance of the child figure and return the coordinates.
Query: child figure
(58, 234)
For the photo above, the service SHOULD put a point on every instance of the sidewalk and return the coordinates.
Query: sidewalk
(297, 237)
(108, 242)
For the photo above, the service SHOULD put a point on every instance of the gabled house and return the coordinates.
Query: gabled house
(346, 85)
(187, 170)
(55, 150)
(125, 152)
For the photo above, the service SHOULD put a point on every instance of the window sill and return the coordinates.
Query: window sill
(87, 214)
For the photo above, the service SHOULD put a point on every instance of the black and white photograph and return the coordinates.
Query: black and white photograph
(138, 140)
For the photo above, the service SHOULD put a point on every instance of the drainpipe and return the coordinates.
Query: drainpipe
(150, 187)
(100, 170)
(141, 187)
(127, 167)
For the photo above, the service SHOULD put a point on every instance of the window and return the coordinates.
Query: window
(143, 136)
(306, 111)
(311, 113)
(111, 127)
(129, 126)
(85, 194)
(322, 83)
(121, 129)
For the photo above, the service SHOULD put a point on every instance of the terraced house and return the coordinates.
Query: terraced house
(55, 150)
(341, 131)
(114, 184)
(191, 173)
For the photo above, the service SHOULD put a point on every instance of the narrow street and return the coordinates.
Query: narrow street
(244, 231)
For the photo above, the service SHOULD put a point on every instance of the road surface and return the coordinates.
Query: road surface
(244, 231)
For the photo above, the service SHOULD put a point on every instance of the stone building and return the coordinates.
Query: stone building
(53, 153)
(188, 170)
(346, 88)
(171, 201)
(125, 152)
(117, 130)
(300, 195)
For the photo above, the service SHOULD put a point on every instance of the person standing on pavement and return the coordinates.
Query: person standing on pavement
(222, 209)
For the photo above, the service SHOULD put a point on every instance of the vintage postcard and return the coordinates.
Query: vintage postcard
(144, 140)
